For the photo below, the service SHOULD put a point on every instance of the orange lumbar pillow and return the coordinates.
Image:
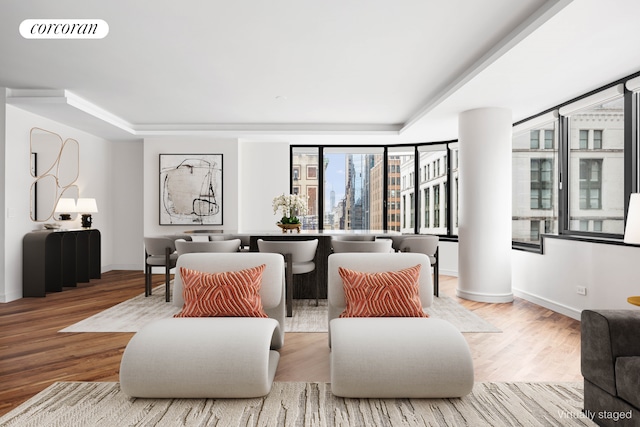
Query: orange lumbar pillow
(226, 294)
(384, 294)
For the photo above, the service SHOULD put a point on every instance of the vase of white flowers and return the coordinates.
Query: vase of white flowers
(290, 206)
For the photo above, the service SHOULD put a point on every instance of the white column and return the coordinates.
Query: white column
(484, 247)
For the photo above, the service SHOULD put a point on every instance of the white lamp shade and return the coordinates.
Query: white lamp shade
(632, 229)
(66, 205)
(87, 206)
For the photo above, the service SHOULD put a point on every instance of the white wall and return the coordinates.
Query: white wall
(127, 208)
(609, 272)
(96, 179)
(264, 174)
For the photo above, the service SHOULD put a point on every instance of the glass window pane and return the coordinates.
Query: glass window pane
(549, 138)
(353, 188)
(403, 159)
(597, 140)
(584, 139)
(535, 193)
(433, 210)
(535, 139)
(596, 168)
(305, 182)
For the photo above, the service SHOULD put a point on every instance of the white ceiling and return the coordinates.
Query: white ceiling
(323, 71)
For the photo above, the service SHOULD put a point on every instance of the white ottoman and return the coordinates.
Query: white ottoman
(399, 357)
(225, 357)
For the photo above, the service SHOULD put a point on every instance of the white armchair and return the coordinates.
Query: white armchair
(393, 357)
(210, 357)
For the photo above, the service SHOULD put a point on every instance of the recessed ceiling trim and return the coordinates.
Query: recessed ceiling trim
(528, 26)
(267, 129)
(37, 97)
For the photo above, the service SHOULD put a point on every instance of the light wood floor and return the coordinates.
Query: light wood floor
(536, 344)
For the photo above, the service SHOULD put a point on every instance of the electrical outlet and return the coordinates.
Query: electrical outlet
(581, 290)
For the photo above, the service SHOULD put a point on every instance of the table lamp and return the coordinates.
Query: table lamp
(65, 207)
(632, 229)
(86, 207)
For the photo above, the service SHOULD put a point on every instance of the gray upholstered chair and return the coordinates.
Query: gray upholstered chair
(245, 240)
(184, 247)
(610, 364)
(381, 245)
(160, 252)
(396, 239)
(354, 237)
(298, 256)
(428, 245)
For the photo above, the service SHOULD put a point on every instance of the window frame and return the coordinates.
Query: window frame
(561, 144)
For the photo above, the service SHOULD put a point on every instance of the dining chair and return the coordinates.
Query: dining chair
(298, 257)
(381, 245)
(185, 247)
(428, 245)
(396, 239)
(159, 251)
(354, 237)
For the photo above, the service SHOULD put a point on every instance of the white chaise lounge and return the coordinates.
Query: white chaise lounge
(210, 357)
(393, 357)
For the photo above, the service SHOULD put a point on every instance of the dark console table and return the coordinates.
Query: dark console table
(52, 260)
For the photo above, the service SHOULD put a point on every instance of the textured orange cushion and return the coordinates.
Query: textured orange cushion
(228, 294)
(385, 294)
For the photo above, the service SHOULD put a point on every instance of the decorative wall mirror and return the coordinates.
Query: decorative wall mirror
(68, 163)
(55, 167)
(45, 151)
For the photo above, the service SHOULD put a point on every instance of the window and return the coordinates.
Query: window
(426, 208)
(535, 231)
(404, 160)
(306, 158)
(535, 193)
(549, 137)
(591, 184)
(434, 156)
(411, 210)
(436, 206)
(541, 183)
(570, 160)
(597, 140)
(404, 209)
(596, 187)
(584, 139)
(353, 188)
(535, 139)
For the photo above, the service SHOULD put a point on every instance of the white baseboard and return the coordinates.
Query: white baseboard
(12, 296)
(453, 273)
(135, 267)
(546, 303)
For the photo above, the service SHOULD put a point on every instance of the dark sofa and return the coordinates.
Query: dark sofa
(610, 364)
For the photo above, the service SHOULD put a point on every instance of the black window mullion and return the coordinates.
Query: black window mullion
(563, 179)
(320, 188)
(630, 148)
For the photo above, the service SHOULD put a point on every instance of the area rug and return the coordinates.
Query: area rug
(131, 315)
(304, 404)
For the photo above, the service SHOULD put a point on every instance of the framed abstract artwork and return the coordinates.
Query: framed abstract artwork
(190, 189)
